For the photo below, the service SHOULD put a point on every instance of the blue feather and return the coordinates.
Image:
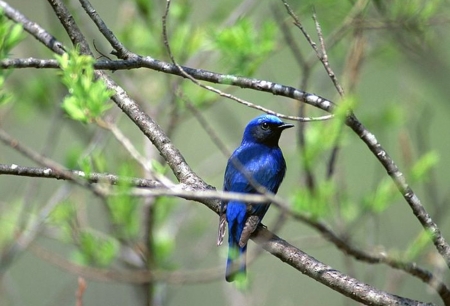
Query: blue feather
(257, 161)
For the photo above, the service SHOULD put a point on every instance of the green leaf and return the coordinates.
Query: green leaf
(63, 216)
(87, 97)
(85, 164)
(158, 167)
(124, 208)
(243, 47)
(96, 249)
(73, 108)
(418, 245)
(77, 159)
(5, 97)
(317, 203)
(8, 224)
(164, 244)
(125, 215)
(423, 166)
(15, 35)
(383, 197)
(320, 138)
(11, 35)
(64, 212)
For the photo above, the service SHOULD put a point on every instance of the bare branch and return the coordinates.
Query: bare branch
(126, 143)
(327, 275)
(323, 57)
(70, 26)
(370, 140)
(119, 49)
(93, 177)
(133, 277)
(56, 168)
(198, 74)
(375, 258)
(33, 28)
(187, 192)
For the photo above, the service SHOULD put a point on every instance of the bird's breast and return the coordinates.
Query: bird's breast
(265, 165)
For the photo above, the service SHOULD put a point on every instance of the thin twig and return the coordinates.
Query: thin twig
(80, 291)
(51, 165)
(306, 68)
(33, 28)
(128, 145)
(197, 74)
(72, 29)
(206, 126)
(179, 277)
(323, 57)
(119, 49)
(219, 92)
(375, 147)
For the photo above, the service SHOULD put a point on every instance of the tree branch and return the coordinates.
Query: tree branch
(184, 173)
(33, 28)
(327, 275)
(155, 189)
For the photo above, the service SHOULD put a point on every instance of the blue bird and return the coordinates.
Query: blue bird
(257, 162)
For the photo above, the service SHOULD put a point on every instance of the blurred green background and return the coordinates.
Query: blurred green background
(401, 92)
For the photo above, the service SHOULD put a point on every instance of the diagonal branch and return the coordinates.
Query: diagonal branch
(273, 244)
(361, 255)
(51, 166)
(369, 139)
(155, 189)
(325, 274)
(33, 28)
(399, 179)
(70, 26)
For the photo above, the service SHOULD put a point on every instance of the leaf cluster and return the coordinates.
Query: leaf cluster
(87, 97)
(243, 47)
(11, 34)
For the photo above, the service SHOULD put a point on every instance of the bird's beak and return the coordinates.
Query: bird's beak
(285, 126)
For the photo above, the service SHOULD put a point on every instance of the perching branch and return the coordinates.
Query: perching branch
(273, 244)
(185, 174)
(327, 275)
(155, 189)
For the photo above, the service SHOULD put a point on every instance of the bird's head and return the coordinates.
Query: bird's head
(265, 129)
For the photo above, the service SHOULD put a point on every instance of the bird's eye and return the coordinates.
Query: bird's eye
(265, 126)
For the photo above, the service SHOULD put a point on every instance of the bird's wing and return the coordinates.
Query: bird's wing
(250, 226)
(265, 166)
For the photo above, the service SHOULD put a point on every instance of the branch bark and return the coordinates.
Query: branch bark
(275, 245)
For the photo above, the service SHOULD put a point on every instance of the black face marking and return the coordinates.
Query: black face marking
(265, 130)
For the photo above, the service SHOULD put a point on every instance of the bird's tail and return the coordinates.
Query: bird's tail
(236, 262)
